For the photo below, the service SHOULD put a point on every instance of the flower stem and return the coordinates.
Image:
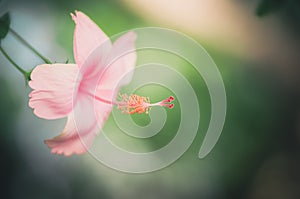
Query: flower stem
(47, 61)
(21, 70)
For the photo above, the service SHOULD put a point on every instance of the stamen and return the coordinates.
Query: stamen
(133, 104)
(137, 104)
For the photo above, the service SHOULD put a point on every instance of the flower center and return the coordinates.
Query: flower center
(136, 104)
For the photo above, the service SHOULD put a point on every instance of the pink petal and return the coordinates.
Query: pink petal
(121, 62)
(53, 86)
(87, 36)
(81, 128)
(103, 72)
(69, 141)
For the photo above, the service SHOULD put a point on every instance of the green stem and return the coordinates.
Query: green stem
(47, 61)
(21, 70)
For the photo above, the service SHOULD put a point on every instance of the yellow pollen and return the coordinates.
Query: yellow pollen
(133, 104)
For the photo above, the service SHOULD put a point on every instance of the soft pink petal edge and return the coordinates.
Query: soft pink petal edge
(53, 89)
(87, 37)
(69, 141)
(81, 129)
(122, 60)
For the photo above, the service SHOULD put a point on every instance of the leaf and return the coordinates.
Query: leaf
(267, 6)
(4, 25)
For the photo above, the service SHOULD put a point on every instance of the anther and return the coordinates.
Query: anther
(137, 104)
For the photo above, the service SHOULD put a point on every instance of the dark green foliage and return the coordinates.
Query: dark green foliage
(289, 7)
(267, 6)
(4, 25)
(287, 10)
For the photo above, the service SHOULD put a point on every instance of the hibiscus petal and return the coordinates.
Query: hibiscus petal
(81, 128)
(69, 141)
(53, 86)
(87, 37)
(104, 73)
(121, 62)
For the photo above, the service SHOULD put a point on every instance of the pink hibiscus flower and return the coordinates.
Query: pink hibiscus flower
(85, 92)
(69, 90)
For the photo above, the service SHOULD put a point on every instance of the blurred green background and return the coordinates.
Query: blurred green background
(255, 45)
